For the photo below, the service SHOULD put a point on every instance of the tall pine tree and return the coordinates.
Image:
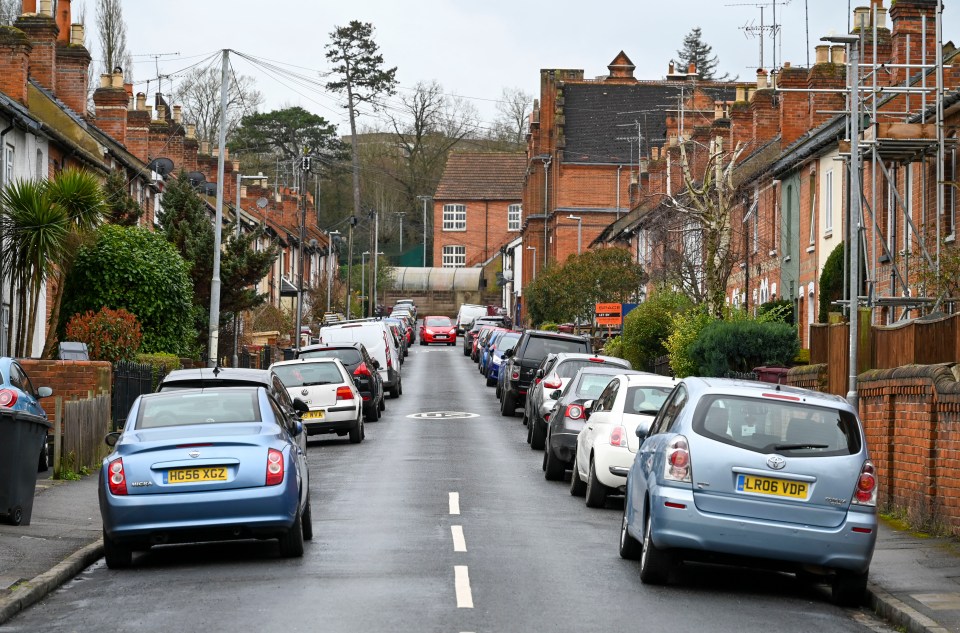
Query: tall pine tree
(696, 51)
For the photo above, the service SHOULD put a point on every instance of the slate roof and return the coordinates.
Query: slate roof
(482, 176)
(600, 116)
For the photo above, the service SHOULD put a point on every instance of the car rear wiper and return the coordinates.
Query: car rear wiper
(313, 384)
(792, 447)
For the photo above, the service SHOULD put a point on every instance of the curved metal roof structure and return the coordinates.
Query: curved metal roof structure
(417, 278)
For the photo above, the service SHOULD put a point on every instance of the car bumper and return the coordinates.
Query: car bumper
(152, 519)
(434, 338)
(606, 457)
(688, 528)
(341, 418)
(563, 445)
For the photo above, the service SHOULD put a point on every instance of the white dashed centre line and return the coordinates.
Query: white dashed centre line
(462, 585)
(454, 503)
(459, 543)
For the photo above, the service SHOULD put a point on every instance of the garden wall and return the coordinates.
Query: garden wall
(69, 378)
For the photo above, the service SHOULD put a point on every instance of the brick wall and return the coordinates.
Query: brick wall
(911, 417)
(69, 378)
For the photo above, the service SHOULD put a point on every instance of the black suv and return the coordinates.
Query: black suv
(520, 363)
(363, 367)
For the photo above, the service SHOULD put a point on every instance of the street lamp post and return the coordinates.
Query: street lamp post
(534, 249)
(424, 199)
(331, 258)
(579, 230)
(363, 274)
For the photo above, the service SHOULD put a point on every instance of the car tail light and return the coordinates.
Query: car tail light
(116, 477)
(574, 412)
(618, 436)
(866, 492)
(362, 370)
(553, 382)
(677, 465)
(546, 417)
(344, 393)
(274, 467)
(8, 398)
(389, 359)
(515, 374)
(596, 360)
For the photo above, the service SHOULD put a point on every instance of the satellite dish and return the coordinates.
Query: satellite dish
(210, 188)
(314, 243)
(163, 166)
(196, 178)
(262, 202)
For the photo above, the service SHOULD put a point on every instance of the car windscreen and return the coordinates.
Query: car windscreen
(347, 355)
(768, 425)
(645, 400)
(539, 346)
(569, 368)
(592, 385)
(437, 322)
(209, 406)
(507, 341)
(308, 374)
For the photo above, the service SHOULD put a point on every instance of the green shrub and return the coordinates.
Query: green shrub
(548, 327)
(686, 329)
(111, 335)
(831, 282)
(780, 310)
(724, 346)
(161, 361)
(614, 347)
(646, 327)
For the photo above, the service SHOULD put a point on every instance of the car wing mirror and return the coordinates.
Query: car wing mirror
(587, 408)
(507, 354)
(110, 439)
(44, 392)
(555, 394)
(643, 429)
(300, 406)
(540, 373)
(375, 363)
(296, 428)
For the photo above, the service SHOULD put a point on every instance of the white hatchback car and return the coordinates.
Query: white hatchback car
(336, 405)
(608, 442)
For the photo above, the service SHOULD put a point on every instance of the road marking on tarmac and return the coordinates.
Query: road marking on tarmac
(462, 585)
(454, 503)
(459, 542)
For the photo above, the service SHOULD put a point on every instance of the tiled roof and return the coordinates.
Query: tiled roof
(482, 176)
(601, 117)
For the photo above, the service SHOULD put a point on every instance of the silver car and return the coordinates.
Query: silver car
(752, 472)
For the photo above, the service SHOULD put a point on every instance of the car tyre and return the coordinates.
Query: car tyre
(848, 588)
(491, 382)
(507, 405)
(466, 351)
(538, 435)
(383, 404)
(306, 521)
(423, 343)
(356, 433)
(553, 468)
(291, 543)
(577, 487)
(630, 548)
(596, 494)
(498, 392)
(654, 562)
(117, 556)
(395, 390)
(452, 343)
(373, 414)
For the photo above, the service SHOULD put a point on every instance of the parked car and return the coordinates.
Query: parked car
(335, 404)
(483, 348)
(359, 364)
(466, 315)
(379, 341)
(18, 394)
(406, 303)
(565, 425)
(399, 329)
(471, 332)
(551, 376)
(204, 465)
(506, 341)
(217, 377)
(521, 363)
(608, 442)
(438, 329)
(479, 335)
(753, 472)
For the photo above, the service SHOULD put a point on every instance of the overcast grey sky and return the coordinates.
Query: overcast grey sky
(473, 49)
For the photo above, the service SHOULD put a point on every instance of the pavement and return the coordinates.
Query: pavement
(914, 579)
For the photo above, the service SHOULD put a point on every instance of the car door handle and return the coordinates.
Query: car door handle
(589, 428)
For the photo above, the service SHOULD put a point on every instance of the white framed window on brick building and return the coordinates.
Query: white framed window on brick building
(8, 154)
(828, 202)
(513, 217)
(454, 256)
(454, 217)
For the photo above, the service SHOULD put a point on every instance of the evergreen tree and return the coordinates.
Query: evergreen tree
(696, 51)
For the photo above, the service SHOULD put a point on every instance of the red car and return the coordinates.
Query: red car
(438, 329)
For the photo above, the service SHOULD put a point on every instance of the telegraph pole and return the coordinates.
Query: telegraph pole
(352, 223)
(213, 339)
(400, 214)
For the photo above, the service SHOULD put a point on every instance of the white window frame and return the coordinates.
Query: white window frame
(908, 203)
(813, 209)
(454, 217)
(951, 197)
(513, 217)
(828, 202)
(454, 256)
(8, 159)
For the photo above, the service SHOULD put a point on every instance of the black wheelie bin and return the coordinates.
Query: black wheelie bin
(21, 438)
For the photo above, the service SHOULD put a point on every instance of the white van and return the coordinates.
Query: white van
(378, 339)
(468, 313)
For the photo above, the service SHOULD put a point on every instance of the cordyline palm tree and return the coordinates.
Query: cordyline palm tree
(42, 224)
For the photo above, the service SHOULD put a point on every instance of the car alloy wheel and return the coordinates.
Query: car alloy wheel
(654, 562)
(630, 547)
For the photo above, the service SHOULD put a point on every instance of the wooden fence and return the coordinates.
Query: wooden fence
(915, 342)
(79, 429)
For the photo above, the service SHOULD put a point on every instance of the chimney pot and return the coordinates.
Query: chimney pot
(215, 151)
(226, 154)
(861, 18)
(741, 93)
(205, 147)
(691, 69)
(77, 34)
(141, 101)
(881, 18)
(236, 165)
(838, 54)
(177, 113)
(161, 112)
(46, 8)
(191, 131)
(717, 110)
(29, 6)
(823, 53)
(63, 21)
(670, 69)
(105, 81)
(761, 79)
(116, 80)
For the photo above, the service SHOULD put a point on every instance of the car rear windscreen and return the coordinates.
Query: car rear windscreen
(592, 385)
(347, 356)
(539, 346)
(207, 383)
(199, 407)
(768, 425)
(645, 400)
(569, 368)
(308, 374)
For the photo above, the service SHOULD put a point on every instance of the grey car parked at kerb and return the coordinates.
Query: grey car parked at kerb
(749, 472)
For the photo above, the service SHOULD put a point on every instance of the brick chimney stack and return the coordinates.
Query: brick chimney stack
(621, 69)
(794, 106)
(111, 102)
(72, 61)
(15, 50)
(42, 30)
(908, 17)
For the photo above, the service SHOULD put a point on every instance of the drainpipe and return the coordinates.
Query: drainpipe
(546, 197)
(619, 167)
